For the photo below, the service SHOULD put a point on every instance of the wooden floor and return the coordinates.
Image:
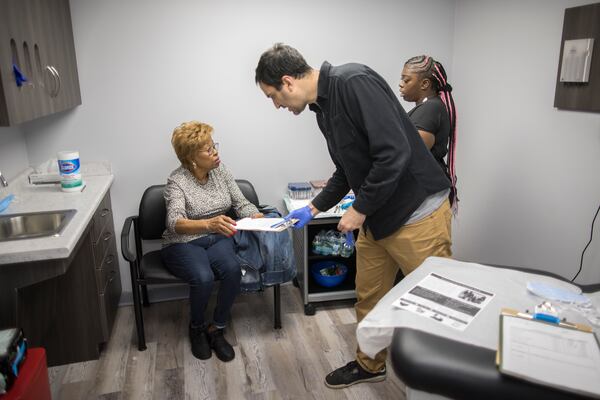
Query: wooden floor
(290, 363)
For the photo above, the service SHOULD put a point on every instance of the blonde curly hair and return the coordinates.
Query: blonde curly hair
(188, 138)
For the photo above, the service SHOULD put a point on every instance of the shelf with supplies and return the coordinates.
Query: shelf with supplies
(313, 292)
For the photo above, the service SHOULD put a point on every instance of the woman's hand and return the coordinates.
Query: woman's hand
(258, 215)
(221, 224)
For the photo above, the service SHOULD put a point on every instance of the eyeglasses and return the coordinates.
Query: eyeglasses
(212, 150)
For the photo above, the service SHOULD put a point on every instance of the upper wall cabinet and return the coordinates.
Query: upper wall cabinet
(38, 68)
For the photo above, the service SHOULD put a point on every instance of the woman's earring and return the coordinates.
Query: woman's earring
(194, 165)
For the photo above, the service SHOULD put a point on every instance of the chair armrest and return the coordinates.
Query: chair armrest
(266, 209)
(125, 232)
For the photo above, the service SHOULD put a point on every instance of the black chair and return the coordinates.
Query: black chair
(147, 268)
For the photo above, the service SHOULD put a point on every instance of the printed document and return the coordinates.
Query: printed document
(551, 355)
(444, 300)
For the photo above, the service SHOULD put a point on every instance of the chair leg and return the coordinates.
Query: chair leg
(139, 319)
(277, 306)
(145, 296)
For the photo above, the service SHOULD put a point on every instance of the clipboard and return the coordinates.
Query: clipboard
(562, 355)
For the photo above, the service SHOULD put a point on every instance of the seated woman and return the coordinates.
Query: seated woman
(424, 82)
(198, 245)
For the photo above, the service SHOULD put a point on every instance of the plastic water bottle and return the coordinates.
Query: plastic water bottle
(348, 246)
(318, 243)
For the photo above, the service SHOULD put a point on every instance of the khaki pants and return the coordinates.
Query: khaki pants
(377, 262)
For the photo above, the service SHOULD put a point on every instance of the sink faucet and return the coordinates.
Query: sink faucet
(3, 180)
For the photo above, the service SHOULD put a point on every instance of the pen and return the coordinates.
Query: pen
(286, 223)
(280, 223)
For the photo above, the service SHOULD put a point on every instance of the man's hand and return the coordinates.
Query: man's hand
(258, 215)
(303, 215)
(221, 224)
(351, 220)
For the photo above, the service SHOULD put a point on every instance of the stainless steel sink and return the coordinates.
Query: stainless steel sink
(33, 225)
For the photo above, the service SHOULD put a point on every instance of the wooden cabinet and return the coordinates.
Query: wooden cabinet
(67, 306)
(36, 36)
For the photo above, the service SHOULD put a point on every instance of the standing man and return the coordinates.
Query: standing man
(401, 204)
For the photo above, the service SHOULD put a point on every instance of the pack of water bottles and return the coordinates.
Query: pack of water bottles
(333, 243)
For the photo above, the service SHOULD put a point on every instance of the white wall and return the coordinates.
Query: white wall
(529, 174)
(13, 152)
(144, 67)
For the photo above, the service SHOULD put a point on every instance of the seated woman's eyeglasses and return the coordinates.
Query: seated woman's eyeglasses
(213, 149)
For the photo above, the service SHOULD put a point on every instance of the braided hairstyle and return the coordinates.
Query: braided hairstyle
(433, 70)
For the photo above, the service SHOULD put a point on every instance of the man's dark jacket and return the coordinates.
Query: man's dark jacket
(376, 149)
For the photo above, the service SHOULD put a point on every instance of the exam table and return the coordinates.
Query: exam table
(441, 366)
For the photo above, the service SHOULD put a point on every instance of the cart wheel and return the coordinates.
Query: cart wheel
(295, 282)
(309, 309)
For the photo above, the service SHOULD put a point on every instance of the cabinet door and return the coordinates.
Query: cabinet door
(37, 37)
(18, 40)
(58, 63)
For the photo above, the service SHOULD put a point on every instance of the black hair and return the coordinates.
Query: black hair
(278, 61)
(433, 70)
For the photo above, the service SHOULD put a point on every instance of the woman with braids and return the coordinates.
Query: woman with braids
(424, 82)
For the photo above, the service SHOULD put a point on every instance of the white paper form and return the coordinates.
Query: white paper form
(552, 355)
(260, 224)
(444, 300)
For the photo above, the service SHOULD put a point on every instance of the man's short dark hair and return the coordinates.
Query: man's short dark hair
(278, 61)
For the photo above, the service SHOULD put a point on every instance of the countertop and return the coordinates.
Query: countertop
(32, 198)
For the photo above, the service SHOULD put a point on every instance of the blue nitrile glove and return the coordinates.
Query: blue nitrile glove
(5, 202)
(346, 204)
(19, 77)
(303, 215)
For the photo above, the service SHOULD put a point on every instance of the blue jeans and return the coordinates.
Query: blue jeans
(199, 263)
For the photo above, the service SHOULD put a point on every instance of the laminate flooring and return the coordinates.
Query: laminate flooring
(290, 363)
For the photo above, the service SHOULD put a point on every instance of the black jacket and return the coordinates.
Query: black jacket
(376, 149)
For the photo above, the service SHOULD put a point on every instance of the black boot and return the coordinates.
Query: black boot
(219, 344)
(199, 342)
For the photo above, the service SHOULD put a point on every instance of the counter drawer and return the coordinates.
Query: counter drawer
(108, 268)
(101, 217)
(109, 302)
(100, 248)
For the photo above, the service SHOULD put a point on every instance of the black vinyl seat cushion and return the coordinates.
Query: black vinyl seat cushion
(154, 271)
(458, 370)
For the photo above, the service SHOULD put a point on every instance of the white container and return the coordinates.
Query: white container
(70, 171)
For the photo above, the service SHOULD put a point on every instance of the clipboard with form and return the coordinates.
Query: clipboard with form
(262, 224)
(561, 355)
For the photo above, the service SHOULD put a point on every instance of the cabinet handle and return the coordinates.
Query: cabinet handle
(105, 212)
(107, 236)
(49, 84)
(56, 79)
